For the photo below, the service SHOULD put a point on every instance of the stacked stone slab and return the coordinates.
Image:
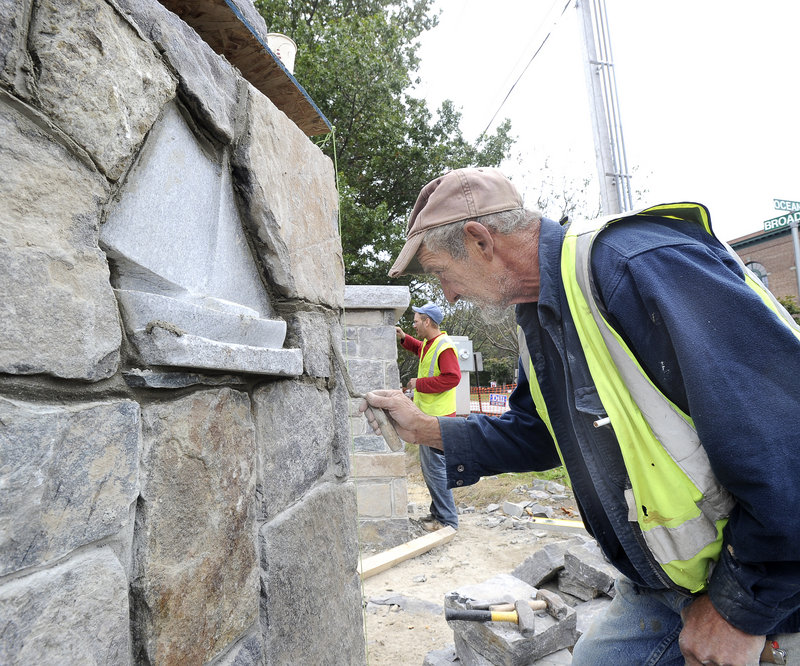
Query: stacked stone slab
(587, 574)
(576, 561)
(578, 571)
(547, 562)
(370, 349)
(501, 643)
(174, 439)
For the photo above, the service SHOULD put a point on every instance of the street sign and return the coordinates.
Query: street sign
(791, 219)
(785, 204)
(782, 221)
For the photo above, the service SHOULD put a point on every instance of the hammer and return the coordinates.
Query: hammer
(556, 606)
(522, 616)
(387, 429)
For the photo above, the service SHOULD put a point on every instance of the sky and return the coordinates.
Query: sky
(709, 97)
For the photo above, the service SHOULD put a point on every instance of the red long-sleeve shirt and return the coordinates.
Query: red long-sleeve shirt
(449, 370)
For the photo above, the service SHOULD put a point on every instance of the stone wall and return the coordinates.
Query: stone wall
(174, 468)
(371, 313)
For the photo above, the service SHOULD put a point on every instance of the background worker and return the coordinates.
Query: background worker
(645, 325)
(438, 374)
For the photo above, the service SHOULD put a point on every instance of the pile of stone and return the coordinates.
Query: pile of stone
(541, 493)
(578, 583)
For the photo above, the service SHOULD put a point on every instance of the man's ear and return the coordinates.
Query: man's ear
(480, 237)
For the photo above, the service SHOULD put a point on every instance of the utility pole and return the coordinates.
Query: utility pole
(612, 164)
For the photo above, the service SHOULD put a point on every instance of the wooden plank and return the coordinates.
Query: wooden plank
(559, 525)
(387, 559)
(227, 35)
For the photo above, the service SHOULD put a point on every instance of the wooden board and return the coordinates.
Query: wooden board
(387, 559)
(559, 525)
(229, 36)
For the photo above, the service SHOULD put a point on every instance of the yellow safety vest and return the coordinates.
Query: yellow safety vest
(674, 497)
(435, 404)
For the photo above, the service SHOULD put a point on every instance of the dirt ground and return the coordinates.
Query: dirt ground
(403, 606)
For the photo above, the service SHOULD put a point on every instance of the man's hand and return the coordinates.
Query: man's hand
(707, 638)
(412, 384)
(412, 425)
(399, 333)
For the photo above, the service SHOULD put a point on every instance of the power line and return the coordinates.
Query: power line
(510, 90)
(546, 22)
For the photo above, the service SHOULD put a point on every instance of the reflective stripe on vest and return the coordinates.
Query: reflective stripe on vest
(677, 501)
(535, 389)
(435, 404)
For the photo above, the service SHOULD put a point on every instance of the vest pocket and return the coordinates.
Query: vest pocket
(588, 401)
(601, 441)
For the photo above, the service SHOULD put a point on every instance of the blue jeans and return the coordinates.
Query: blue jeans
(443, 506)
(640, 628)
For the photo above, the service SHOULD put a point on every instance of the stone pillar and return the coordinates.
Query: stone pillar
(370, 350)
(174, 468)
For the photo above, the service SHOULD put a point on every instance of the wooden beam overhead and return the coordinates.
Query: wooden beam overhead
(228, 32)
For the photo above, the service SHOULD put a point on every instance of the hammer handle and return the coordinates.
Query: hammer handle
(481, 615)
(535, 604)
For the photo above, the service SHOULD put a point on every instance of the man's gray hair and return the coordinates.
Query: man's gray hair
(450, 237)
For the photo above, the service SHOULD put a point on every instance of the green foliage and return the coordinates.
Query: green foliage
(791, 307)
(356, 58)
(498, 369)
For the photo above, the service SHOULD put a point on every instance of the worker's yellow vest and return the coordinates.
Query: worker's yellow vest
(674, 497)
(435, 404)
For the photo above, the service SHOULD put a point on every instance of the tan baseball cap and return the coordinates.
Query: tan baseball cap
(462, 194)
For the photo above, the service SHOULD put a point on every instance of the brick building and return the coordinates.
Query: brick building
(770, 255)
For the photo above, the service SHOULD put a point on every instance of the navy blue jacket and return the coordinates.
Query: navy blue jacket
(706, 340)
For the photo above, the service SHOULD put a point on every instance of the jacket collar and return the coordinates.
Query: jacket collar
(551, 239)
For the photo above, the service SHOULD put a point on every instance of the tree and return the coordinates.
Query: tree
(356, 58)
(499, 370)
(790, 304)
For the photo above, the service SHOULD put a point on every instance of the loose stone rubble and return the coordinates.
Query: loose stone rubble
(561, 556)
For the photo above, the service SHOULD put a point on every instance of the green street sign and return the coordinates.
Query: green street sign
(782, 221)
(785, 204)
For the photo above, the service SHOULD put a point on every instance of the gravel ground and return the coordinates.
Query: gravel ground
(403, 606)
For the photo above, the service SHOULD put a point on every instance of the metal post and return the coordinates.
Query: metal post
(615, 190)
(619, 156)
(602, 141)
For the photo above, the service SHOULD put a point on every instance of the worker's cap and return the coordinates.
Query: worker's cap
(459, 195)
(431, 310)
